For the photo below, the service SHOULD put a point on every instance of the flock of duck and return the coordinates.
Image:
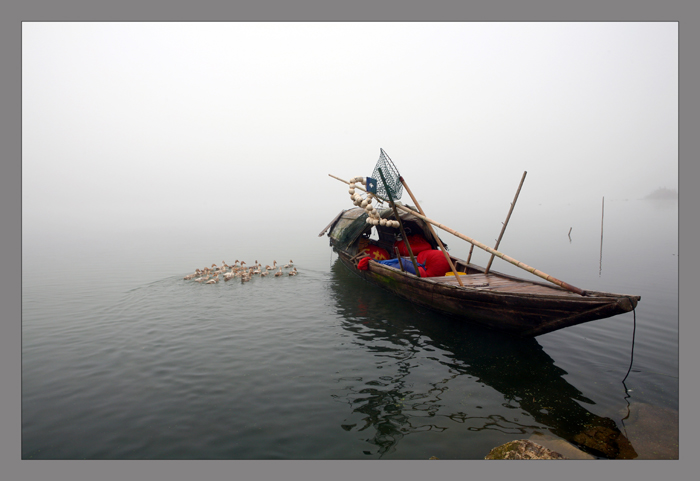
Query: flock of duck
(212, 274)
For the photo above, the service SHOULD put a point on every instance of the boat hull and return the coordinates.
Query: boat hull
(525, 315)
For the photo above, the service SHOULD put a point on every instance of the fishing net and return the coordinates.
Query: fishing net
(391, 176)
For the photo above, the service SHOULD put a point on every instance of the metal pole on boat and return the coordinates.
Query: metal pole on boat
(506, 258)
(505, 224)
(403, 232)
(442, 247)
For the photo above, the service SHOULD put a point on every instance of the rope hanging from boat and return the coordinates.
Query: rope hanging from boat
(373, 216)
(634, 330)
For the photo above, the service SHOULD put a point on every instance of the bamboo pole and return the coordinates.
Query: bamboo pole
(506, 258)
(505, 224)
(469, 257)
(398, 256)
(403, 232)
(478, 244)
(442, 247)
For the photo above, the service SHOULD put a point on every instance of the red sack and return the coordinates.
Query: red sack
(435, 263)
(417, 242)
(376, 252)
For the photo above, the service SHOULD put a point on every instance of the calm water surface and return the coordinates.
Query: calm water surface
(123, 359)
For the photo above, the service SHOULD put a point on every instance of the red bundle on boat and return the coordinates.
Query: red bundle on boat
(363, 265)
(435, 263)
(417, 242)
(376, 252)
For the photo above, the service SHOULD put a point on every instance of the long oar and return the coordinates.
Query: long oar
(478, 244)
(506, 258)
(442, 247)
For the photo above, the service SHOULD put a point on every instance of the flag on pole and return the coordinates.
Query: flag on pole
(371, 185)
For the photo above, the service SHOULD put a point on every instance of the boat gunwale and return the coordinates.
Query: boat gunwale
(592, 297)
(573, 309)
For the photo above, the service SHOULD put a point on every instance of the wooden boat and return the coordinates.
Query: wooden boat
(499, 301)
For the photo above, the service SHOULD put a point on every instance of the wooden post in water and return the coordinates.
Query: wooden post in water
(602, 217)
(505, 224)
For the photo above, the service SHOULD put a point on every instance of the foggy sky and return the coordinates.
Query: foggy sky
(125, 124)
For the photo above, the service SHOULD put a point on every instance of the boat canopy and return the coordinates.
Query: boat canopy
(351, 224)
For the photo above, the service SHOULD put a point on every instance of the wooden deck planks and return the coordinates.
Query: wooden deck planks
(468, 279)
(496, 283)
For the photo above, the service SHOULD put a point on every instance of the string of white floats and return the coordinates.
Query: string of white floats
(373, 216)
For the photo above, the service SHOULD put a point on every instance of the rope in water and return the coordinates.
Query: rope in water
(627, 394)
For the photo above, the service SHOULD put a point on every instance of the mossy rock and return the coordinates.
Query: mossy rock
(522, 449)
(610, 443)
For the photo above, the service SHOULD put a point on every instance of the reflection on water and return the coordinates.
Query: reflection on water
(403, 339)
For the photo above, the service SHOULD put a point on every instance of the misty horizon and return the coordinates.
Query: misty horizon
(128, 126)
